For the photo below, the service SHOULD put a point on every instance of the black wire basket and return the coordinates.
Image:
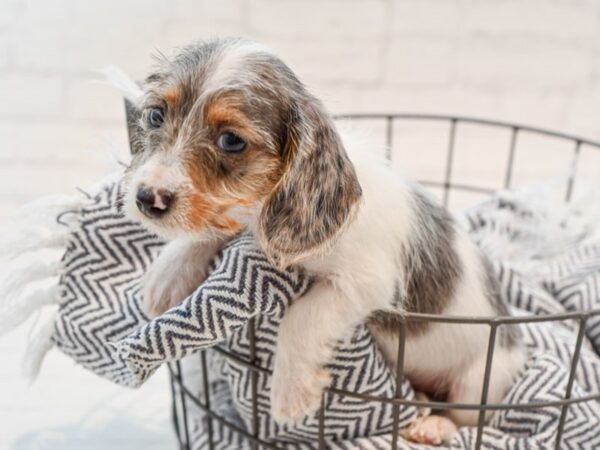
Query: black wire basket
(446, 187)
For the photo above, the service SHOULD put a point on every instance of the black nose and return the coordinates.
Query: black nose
(153, 203)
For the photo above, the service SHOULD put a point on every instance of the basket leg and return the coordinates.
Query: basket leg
(569, 389)
(174, 414)
(399, 381)
(206, 386)
(449, 161)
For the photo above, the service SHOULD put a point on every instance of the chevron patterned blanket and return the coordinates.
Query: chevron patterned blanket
(546, 264)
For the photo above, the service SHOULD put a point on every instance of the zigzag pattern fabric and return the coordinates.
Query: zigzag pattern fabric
(101, 326)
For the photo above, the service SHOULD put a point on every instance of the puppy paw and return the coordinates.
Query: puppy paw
(431, 430)
(161, 293)
(174, 275)
(296, 393)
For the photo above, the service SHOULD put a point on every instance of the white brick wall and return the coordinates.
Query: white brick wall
(535, 61)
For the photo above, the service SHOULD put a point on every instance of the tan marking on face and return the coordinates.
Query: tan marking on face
(223, 112)
(204, 211)
(227, 225)
(213, 197)
(172, 96)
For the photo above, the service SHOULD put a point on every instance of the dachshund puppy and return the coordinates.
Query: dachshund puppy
(230, 139)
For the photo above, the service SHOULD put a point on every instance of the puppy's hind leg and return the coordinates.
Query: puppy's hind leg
(429, 429)
(467, 386)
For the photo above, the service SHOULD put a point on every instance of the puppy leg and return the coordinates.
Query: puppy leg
(466, 387)
(180, 268)
(307, 334)
(431, 430)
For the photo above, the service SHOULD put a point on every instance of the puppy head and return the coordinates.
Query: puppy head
(228, 137)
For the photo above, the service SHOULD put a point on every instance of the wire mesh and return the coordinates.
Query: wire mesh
(181, 394)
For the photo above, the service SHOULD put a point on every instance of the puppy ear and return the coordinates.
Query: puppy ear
(134, 129)
(317, 194)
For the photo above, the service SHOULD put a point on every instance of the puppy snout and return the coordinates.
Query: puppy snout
(153, 203)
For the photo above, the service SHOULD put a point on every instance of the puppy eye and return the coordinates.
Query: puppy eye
(156, 117)
(231, 143)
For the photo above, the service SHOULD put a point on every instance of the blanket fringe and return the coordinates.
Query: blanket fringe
(37, 349)
(45, 210)
(124, 83)
(35, 238)
(18, 279)
(35, 226)
(31, 248)
(16, 310)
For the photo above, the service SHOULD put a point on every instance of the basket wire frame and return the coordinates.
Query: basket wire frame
(182, 395)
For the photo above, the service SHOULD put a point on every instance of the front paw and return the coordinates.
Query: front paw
(167, 283)
(160, 293)
(296, 393)
(177, 272)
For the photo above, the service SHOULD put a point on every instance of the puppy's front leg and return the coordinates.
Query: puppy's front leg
(307, 336)
(179, 269)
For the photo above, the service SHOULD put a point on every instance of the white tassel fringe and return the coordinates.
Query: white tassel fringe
(34, 239)
(18, 309)
(124, 83)
(16, 280)
(37, 349)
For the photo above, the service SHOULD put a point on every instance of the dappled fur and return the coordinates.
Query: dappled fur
(376, 244)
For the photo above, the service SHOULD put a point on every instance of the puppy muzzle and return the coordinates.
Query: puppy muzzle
(153, 203)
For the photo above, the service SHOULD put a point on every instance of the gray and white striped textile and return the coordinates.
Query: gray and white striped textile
(542, 269)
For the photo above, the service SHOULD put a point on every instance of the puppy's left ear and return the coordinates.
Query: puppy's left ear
(318, 192)
(134, 130)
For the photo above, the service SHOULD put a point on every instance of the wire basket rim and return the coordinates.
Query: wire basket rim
(468, 119)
